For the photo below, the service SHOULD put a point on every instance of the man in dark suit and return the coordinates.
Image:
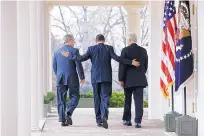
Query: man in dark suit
(133, 79)
(101, 75)
(67, 78)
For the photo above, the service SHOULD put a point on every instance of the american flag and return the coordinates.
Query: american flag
(168, 47)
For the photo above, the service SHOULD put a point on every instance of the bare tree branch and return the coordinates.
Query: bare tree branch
(111, 34)
(124, 30)
(93, 14)
(109, 15)
(62, 17)
(85, 9)
(56, 19)
(59, 27)
(75, 17)
(144, 26)
(112, 25)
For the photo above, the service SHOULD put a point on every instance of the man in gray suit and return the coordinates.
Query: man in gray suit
(67, 78)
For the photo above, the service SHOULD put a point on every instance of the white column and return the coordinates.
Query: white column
(134, 21)
(0, 70)
(44, 48)
(40, 59)
(156, 102)
(48, 47)
(23, 41)
(34, 66)
(48, 33)
(9, 70)
(200, 100)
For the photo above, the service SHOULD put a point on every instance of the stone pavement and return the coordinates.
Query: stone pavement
(84, 125)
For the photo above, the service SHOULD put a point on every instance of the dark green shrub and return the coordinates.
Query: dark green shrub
(46, 100)
(51, 96)
(145, 103)
(88, 94)
(67, 100)
(117, 99)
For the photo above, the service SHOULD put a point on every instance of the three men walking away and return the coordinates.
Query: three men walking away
(101, 74)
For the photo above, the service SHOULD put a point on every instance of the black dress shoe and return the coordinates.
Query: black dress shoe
(124, 122)
(127, 123)
(99, 124)
(64, 123)
(105, 123)
(138, 125)
(69, 120)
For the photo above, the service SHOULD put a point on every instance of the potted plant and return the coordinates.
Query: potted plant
(46, 105)
(51, 96)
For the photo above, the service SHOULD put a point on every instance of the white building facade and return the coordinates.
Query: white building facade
(25, 61)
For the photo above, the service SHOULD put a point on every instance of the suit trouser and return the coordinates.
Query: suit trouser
(138, 99)
(102, 93)
(61, 100)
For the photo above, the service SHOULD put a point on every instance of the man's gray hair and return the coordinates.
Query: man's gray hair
(132, 37)
(68, 37)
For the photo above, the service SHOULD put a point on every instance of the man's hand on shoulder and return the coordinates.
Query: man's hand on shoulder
(135, 63)
(65, 53)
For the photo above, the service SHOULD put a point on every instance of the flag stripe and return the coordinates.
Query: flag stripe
(166, 72)
(163, 78)
(170, 29)
(163, 87)
(170, 53)
(165, 60)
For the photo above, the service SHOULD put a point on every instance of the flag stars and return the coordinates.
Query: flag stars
(184, 57)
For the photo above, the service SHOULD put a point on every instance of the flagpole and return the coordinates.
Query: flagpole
(184, 100)
(172, 97)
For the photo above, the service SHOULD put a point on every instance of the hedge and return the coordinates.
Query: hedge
(88, 94)
(116, 100)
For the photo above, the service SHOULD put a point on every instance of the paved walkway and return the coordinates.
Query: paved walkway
(84, 125)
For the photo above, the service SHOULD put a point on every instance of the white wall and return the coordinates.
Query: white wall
(0, 69)
(200, 101)
(157, 104)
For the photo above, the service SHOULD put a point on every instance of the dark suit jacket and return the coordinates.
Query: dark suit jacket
(134, 76)
(65, 70)
(100, 56)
